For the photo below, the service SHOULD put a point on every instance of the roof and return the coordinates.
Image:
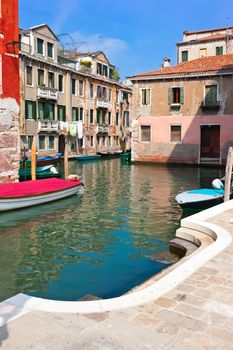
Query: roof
(186, 32)
(200, 65)
(41, 26)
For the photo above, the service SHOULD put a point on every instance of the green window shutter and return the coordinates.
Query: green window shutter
(184, 56)
(34, 110)
(169, 96)
(181, 95)
(26, 109)
(219, 51)
(64, 113)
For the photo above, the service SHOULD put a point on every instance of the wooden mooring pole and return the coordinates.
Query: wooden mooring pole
(228, 173)
(33, 161)
(66, 164)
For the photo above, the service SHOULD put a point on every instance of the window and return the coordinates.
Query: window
(211, 95)
(74, 113)
(40, 77)
(117, 118)
(51, 80)
(30, 141)
(29, 75)
(219, 50)
(126, 96)
(117, 96)
(80, 88)
(92, 141)
(116, 140)
(46, 111)
(91, 116)
(91, 90)
(145, 133)
(176, 95)
(40, 46)
(61, 113)
(99, 68)
(184, 56)
(51, 141)
(81, 113)
(145, 97)
(98, 116)
(30, 109)
(103, 117)
(175, 133)
(109, 94)
(126, 119)
(60, 83)
(50, 50)
(41, 141)
(109, 140)
(99, 91)
(109, 118)
(73, 86)
(105, 70)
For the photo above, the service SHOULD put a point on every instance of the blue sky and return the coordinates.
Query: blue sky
(135, 35)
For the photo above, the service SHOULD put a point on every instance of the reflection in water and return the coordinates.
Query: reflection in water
(103, 242)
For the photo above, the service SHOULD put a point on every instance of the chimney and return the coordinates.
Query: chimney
(166, 62)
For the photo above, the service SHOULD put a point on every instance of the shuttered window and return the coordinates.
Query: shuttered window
(50, 50)
(30, 109)
(219, 50)
(145, 97)
(29, 75)
(74, 114)
(46, 111)
(51, 141)
(41, 141)
(175, 133)
(91, 116)
(61, 113)
(40, 46)
(81, 113)
(176, 95)
(73, 86)
(184, 56)
(60, 83)
(211, 92)
(51, 80)
(145, 133)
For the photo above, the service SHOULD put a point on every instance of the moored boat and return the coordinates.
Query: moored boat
(83, 157)
(202, 198)
(126, 156)
(30, 193)
(42, 161)
(44, 172)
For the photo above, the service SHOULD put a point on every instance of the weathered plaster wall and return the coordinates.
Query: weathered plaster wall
(160, 149)
(9, 92)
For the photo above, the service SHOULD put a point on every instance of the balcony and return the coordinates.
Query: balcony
(47, 125)
(102, 129)
(48, 93)
(102, 103)
(210, 106)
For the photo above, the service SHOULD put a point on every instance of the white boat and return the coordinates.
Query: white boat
(30, 193)
(202, 198)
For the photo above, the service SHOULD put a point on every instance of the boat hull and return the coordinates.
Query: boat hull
(200, 199)
(29, 201)
(88, 157)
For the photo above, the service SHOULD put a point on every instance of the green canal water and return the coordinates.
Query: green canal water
(103, 242)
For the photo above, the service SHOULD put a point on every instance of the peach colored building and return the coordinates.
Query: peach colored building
(184, 113)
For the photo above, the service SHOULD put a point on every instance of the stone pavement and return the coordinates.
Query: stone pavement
(197, 314)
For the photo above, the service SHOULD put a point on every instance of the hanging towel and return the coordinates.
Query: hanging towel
(73, 129)
(80, 129)
(65, 127)
(61, 126)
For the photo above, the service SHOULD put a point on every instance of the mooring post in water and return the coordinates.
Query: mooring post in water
(66, 165)
(33, 161)
(228, 173)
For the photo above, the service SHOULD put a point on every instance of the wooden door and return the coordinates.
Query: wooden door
(210, 141)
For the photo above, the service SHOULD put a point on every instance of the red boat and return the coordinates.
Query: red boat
(29, 193)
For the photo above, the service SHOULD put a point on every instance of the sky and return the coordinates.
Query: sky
(135, 35)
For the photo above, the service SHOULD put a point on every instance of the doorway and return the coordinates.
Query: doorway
(210, 141)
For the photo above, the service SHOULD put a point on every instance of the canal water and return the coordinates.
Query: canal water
(101, 243)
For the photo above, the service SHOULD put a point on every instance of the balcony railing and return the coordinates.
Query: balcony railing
(48, 93)
(47, 125)
(103, 129)
(102, 103)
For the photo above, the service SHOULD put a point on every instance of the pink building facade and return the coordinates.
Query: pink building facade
(184, 113)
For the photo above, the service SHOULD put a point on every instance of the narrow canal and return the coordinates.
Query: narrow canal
(103, 242)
